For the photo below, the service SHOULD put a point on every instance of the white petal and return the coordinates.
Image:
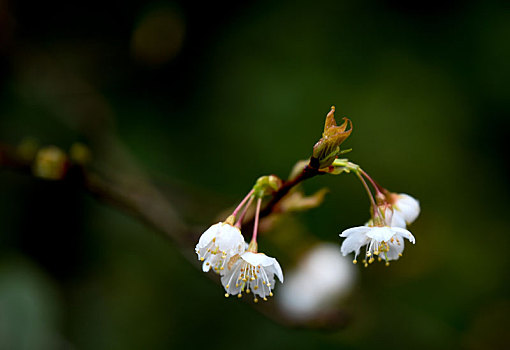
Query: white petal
(398, 220)
(206, 266)
(396, 248)
(230, 280)
(404, 233)
(230, 239)
(408, 206)
(208, 235)
(355, 230)
(257, 259)
(354, 242)
(381, 234)
(276, 269)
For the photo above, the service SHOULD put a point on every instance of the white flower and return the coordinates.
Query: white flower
(251, 272)
(385, 242)
(319, 280)
(406, 206)
(392, 218)
(218, 244)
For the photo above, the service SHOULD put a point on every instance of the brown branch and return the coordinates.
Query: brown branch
(308, 172)
(143, 201)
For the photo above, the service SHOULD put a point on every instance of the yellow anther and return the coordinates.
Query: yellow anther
(268, 284)
(265, 299)
(379, 259)
(368, 253)
(253, 278)
(263, 282)
(228, 285)
(399, 254)
(202, 259)
(226, 295)
(387, 263)
(221, 268)
(256, 287)
(366, 265)
(244, 280)
(371, 260)
(255, 300)
(239, 296)
(355, 261)
(270, 294)
(247, 291)
(376, 252)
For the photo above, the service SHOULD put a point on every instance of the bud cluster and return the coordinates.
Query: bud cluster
(243, 269)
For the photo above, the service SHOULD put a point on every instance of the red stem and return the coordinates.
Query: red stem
(256, 223)
(234, 213)
(243, 213)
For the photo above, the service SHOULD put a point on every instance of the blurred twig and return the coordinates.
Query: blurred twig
(146, 203)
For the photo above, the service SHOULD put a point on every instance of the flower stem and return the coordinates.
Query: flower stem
(234, 213)
(256, 223)
(365, 185)
(377, 187)
(243, 213)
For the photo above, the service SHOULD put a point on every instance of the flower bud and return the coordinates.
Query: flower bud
(266, 185)
(80, 153)
(50, 163)
(328, 147)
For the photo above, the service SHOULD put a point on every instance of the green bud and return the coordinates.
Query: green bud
(266, 185)
(328, 147)
(50, 163)
(80, 153)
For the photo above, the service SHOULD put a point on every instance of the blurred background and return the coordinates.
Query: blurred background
(203, 99)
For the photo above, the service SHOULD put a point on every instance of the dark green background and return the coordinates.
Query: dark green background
(425, 84)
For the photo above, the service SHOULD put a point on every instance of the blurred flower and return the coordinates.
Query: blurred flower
(251, 272)
(319, 280)
(218, 244)
(383, 241)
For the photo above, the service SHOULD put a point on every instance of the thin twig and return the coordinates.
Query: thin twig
(144, 202)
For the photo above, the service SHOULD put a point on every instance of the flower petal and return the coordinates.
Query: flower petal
(355, 230)
(398, 220)
(381, 234)
(230, 239)
(408, 206)
(209, 235)
(404, 233)
(257, 259)
(354, 242)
